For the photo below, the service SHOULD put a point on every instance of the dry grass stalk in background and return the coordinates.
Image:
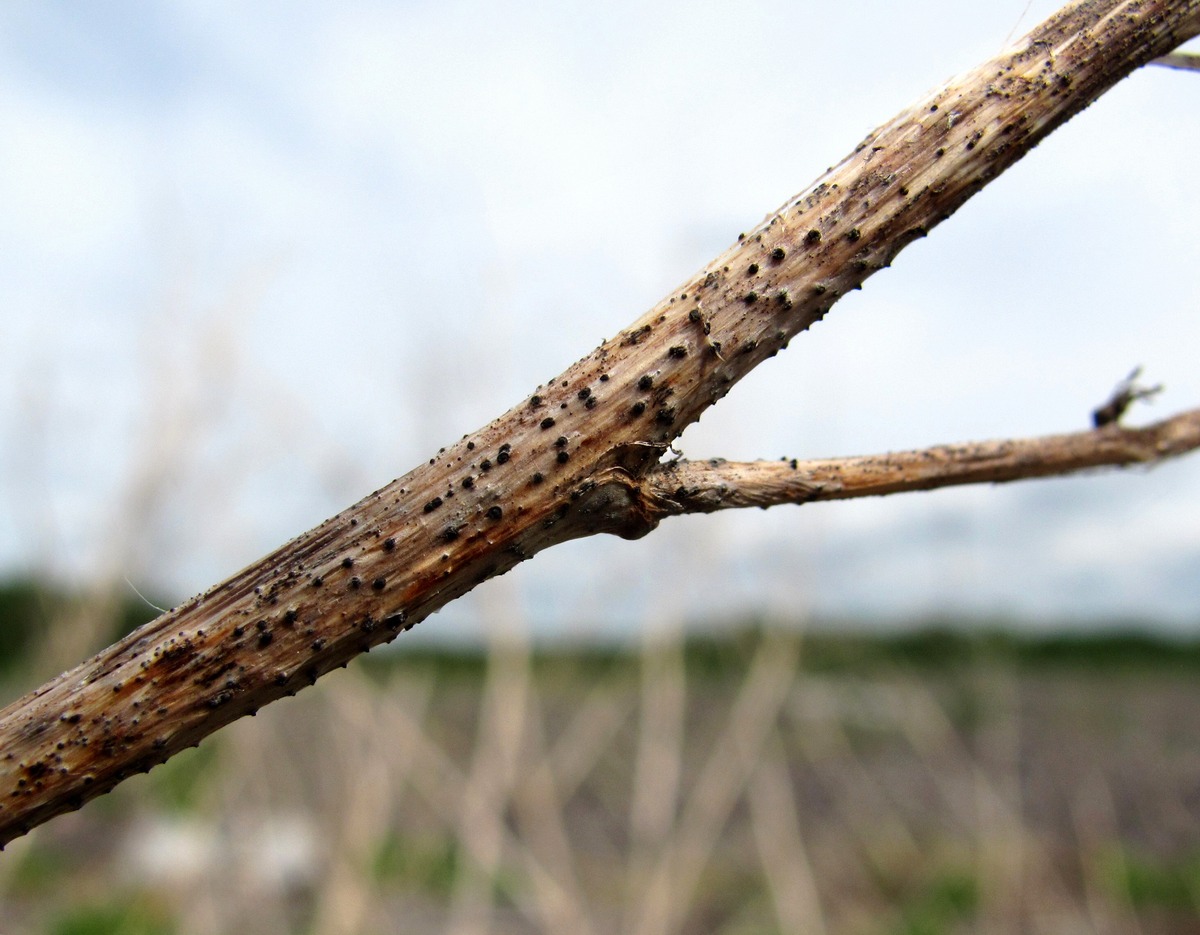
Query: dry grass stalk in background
(888, 783)
(574, 458)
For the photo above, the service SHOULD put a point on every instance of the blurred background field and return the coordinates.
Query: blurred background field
(753, 780)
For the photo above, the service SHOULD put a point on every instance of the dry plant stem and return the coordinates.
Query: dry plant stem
(1185, 61)
(705, 486)
(569, 460)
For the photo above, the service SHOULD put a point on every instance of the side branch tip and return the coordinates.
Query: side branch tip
(1185, 61)
(706, 486)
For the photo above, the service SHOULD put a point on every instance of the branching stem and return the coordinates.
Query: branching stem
(570, 459)
(705, 486)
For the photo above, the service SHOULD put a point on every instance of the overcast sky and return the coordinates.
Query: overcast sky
(258, 259)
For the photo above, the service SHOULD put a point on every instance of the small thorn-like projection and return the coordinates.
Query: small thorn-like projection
(1123, 396)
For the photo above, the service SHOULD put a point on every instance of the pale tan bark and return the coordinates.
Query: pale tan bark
(571, 459)
(681, 487)
(1185, 61)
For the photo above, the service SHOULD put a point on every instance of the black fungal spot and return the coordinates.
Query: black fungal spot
(495, 512)
(677, 350)
(665, 416)
(637, 408)
(395, 621)
(468, 483)
(563, 457)
(485, 465)
(547, 423)
(819, 289)
(355, 583)
(507, 446)
(645, 382)
(379, 583)
(694, 315)
(290, 616)
(535, 401)
(813, 236)
(470, 446)
(778, 254)
(433, 504)
(584, 393)
(750, 298)
(854, 235)
(450, 533)
(635, 337)
(939, 152)
(265, 640)
(238, 631)
(752, 269)
(347, 562)
(389, 544)
(604, 378)
(560, 442)
(591, 403)
(318, 581)
(783, 298)
(537, 478)
(502, 456)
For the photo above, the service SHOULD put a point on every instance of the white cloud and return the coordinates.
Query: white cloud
(71, 187)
